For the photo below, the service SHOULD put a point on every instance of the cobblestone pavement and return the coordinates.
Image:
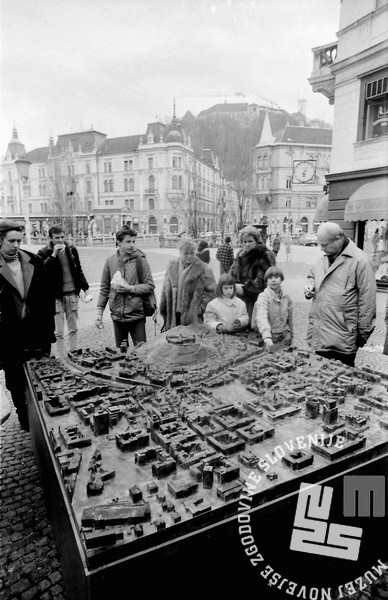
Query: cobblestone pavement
(29, 563)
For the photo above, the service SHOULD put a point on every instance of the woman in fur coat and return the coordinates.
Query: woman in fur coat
(189, 285)
(250, 265)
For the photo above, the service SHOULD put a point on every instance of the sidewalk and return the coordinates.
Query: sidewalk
(29, 565)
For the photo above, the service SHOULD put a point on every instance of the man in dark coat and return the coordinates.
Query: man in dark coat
(64, 269)
(26, 312)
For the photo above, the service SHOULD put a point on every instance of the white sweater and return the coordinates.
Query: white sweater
(222, 311)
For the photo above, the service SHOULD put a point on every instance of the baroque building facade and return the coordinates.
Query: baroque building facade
(353, 74)
(288, 169)
(156, 183)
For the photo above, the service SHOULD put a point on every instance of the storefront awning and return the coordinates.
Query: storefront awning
(369, 202)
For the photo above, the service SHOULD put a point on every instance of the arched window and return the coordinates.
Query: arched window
(259, 162)
(126, 189)
(304, 224)
(152, 225)
(106, 186)
(265, 158)
(174, 182)
(151, 204)
(131, 185)
(180, 184)
(151, 183)
(173, 225)
(111, 185)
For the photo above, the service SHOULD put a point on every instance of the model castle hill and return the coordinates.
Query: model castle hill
(149, 440)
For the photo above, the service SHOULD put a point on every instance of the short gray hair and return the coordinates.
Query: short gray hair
(187, 244)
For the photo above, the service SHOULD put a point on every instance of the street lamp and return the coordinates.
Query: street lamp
(23, 168)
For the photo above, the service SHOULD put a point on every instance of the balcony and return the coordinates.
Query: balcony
(151, 192)
(322, 80)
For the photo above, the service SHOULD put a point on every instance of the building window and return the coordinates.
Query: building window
(106, 186)
(126, 187)
(88, 168)
(88, 187)
(173, 225)
(107, 167)
(131, 203)
(150, 163)
(152, 225)
(180, 184)
(70, 170)
(179, 162)
(174, 182)
(374, 106)
(111, 185)
(10, 175)
(30, 208)
(131, 185)
(151, 204)
(126, 202)
(126, 165)
(288, 182)
(174, 162)
(288, 202)
(151, 182)
(265, 162)
(41, 173)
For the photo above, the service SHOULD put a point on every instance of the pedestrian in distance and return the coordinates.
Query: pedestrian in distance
(188, 287)
(287, 246)
(26, 313)
(225, 255)
(250, 265)
(226, 313)
(126, 278)
(342, 287)
(276, 244)
(203, 251)
(272, 316)
(63, 266)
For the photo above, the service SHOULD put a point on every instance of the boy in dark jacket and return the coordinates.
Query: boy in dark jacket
(64, 269)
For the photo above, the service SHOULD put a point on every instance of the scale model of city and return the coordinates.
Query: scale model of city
(169, 433)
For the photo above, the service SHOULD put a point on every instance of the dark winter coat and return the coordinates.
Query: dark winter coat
(54, 269)
(125, 307)
(36, 330)
(249, 269)
(199, 289)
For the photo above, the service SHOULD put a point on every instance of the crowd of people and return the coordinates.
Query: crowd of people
(40, 293)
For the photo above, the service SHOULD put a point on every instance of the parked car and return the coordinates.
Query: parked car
(310, 239)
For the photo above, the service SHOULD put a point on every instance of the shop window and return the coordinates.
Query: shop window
(374, 107)
(376, 247)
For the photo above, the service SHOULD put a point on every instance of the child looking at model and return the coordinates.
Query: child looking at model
(272, 315)
(226, 313)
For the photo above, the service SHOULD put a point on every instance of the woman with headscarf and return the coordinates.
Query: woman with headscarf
(250, 265)
(189, 285)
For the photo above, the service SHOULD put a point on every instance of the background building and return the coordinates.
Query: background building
(156, 183)
(353, 73)
(289, 170)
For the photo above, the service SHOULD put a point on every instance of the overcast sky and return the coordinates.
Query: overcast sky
(116, 65)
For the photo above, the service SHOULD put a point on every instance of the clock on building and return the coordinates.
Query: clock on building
(304, 171)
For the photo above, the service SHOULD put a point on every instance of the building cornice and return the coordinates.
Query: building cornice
(360, 174)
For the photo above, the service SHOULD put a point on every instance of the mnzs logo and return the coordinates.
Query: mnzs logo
(312, 533)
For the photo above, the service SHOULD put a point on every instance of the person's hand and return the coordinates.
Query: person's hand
(309, 291)
(237, 324)
(268, 343)
(220, 328)
(239, 289)
(59, 249)
(124, 288)
(98, 322)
